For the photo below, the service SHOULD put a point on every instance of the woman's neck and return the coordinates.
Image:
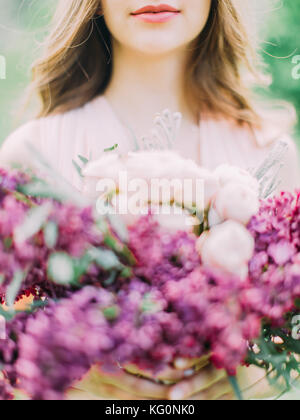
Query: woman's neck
(142, 85)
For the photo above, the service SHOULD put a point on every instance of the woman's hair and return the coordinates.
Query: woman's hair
(77, 62)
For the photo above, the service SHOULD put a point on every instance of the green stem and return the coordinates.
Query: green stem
(234, 383)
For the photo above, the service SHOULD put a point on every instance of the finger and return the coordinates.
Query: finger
(184, 364)
(183, 368)
(218, 391)
(262, 390)
(226, 397)
(89, 390)
(254, 383)
(201, 381)
(167, 375)
(130, 383)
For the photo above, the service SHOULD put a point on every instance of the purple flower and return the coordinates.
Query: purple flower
(274, 269)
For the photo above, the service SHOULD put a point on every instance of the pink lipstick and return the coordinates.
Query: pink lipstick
(156, 14)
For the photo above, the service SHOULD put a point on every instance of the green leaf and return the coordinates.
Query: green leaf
(84, 160)
(62, 188)
(39, 189)
(105, 258)
(119, 227)
(39, 304)
(51, 234)
(14, 288)
(8, 242)
(102, 225)
(61, 269)
(111, 313)
(78, 168)
(277, 358)
(126, 273)
(8, 315)
(119, 248)
(111, 279)
(111, 149)
(149, 305)
(81, 266)
(33, 223)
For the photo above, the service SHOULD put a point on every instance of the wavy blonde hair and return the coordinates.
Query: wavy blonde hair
(77, 63)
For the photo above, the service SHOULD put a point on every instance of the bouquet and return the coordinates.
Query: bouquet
(213, 277)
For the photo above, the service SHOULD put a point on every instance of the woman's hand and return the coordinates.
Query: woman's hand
(206, 383)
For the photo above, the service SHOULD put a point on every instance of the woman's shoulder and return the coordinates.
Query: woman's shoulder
(15, 148)
(247, 147)
(60, 138)
(276, 135)
(46, 134)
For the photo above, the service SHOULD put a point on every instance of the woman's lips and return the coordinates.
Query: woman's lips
(156, 14)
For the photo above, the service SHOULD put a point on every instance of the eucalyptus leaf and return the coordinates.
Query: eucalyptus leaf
(39, 304)
(149, 305)
(63, 188)
(8, 314)
(40, 189)
(111, 279)
(119, 248)
(83, 159)
(61, 268)
(119, 227)
(81, 265)
(105, 258)
(51, 234)
(34, 221)
(78, 168)
(14, 288)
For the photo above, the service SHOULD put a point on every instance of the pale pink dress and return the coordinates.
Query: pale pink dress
(88, 130)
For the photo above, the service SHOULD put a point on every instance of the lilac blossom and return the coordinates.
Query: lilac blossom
(170, 307)
(275, 267)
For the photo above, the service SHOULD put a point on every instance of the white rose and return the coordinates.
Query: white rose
(228, 247)
(171, 177)
(107, 166)
(227, 174)
(236, 202)
(200, 191)
(154, 164)
(173, 219)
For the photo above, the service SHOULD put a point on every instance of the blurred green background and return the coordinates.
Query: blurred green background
(23, 24)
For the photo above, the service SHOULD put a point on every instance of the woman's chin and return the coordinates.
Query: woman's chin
(155, 46)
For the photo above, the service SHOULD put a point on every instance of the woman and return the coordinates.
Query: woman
(109, 66)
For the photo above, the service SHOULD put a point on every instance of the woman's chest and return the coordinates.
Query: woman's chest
(88, 134)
